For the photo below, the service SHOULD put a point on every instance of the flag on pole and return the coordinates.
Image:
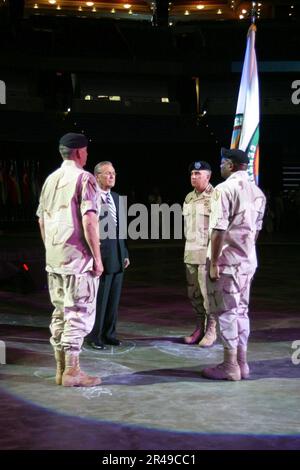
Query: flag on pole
(3, 184)
(245, 135)
(25, 183)
(13, 187)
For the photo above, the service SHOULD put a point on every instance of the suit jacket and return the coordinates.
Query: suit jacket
(113, 251)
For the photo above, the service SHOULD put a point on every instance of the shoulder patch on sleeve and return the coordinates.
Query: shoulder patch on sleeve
(216, 194)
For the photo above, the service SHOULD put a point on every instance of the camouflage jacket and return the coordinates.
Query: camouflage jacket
(67, 194)
(196, 210)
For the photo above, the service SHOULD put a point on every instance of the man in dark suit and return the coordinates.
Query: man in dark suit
(115, 258)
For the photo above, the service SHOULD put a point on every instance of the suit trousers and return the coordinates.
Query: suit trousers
(108, 300)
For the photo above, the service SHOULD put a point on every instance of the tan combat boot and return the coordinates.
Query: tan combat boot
(210, 336)
(242, 362)
(195, 336)
(73, 376)
(228, 370)
(60, 365)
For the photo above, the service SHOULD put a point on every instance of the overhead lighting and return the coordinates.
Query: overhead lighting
(200, 7)
(127, 6)
(244, 11)
(52, 2)
(89, 4)
(241, 17)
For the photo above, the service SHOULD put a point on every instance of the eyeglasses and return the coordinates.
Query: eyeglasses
(108, 173)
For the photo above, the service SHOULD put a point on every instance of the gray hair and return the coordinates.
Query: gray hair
(99, 166)
(66, 152)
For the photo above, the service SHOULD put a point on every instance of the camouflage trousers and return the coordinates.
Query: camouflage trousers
(74, 298)
(196, 278)
(229, 300)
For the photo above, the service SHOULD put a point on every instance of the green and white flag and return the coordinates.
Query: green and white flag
(245, 135)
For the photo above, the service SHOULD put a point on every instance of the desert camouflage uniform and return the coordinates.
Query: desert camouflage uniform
(237, 206)
(196, 209)
(68, 194)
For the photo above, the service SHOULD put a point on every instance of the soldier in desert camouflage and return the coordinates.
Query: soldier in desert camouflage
(68, 218)
(196, 209)
(237, 210)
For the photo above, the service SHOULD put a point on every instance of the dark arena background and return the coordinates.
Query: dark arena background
(154, 86)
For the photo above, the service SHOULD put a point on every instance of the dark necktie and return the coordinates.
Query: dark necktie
(111, 208)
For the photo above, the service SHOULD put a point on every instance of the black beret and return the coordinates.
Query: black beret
(199, 165)
(236, 155)
(73, 140)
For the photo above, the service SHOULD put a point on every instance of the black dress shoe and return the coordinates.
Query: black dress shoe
(113, 341)
(96, 344)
